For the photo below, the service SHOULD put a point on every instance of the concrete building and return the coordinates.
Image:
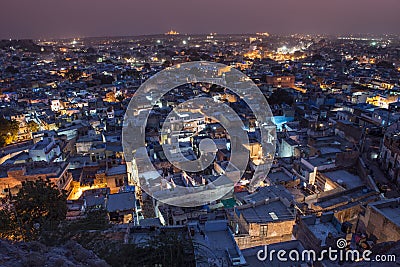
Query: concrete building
(281, 81)
(382, 220)
(346, 204)
(95, 199)
(45, 150)
(319, 233)
(11, 177)
(56, 105)
(390, 152)
(287, 147)
(121, 207)
(281, 176)
(215, 245)
(113, 178)
(265, 222)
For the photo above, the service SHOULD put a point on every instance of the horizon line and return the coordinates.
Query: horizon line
(200, 34)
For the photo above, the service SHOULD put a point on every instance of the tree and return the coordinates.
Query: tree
(33, 126)
(165, 249)
(104, 79)
(120, 97)
(132, 73)
(280, 96)
(38, 206)
(166, 64)
(8, 226)
(8, 131)
(12, 70)
(385, 64)
(298, 54)
(146, 66)
(73, 74)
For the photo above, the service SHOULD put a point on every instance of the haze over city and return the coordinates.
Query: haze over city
(74, 18)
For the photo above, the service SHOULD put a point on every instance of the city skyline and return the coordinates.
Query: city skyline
(199, 133)
(45, 19)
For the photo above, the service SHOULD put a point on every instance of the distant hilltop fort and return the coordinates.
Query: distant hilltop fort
(172, 32)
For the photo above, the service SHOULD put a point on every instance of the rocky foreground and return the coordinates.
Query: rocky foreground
(36, 254)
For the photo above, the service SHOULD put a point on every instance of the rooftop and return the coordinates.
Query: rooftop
(390, 208)
(215, 245)
(150, 222)
(267, 211)
(347, 197)
(344, 177)
(321, 229)
(120, 169)
(263, 193)
(279, 176)
(121, 202)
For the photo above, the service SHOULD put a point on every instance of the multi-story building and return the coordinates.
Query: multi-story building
(264, 222)
(12, 177)
(319, 233)
(382, 220)
(390, 152)
(281, 81)
(45, 150)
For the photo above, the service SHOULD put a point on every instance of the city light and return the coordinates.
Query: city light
(126, 142)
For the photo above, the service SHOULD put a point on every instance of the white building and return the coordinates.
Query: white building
(46, 150)
(56, 105)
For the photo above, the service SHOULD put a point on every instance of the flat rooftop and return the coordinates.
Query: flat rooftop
(390, 208)
(392, 214)
(40, 145)
(214, 243)
(121, 202)
(36, 168)
(263, 193)
(322, 229)
(321, 160)
(343, 176)
(347, 196)
(269, 211)
(120, 169)
(329, 150)
(44, 170)
(279, 176)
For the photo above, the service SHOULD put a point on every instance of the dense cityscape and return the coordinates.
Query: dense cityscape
(69, 195)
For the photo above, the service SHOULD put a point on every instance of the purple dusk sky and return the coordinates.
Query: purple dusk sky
(70, 18)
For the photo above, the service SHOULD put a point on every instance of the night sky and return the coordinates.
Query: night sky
(80, 18)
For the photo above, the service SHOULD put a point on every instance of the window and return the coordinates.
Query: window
(119, 182)
(263, 230)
